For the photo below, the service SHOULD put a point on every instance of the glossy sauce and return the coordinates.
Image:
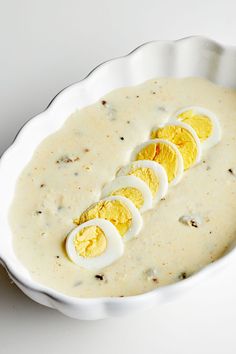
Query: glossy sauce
(70, 167)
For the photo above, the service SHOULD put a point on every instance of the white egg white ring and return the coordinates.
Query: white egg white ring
(194, 135)
(113, 251)
(180, 167)
(215, 137)
(133, 182)
(157, 168)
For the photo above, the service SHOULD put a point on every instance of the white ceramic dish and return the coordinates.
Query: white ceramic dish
(194, 56)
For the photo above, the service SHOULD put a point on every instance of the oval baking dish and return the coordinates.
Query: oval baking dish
(193, 56)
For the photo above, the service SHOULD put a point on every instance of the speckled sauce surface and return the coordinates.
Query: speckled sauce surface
(69, 169)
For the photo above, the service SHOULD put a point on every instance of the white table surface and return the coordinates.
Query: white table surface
(44, 46)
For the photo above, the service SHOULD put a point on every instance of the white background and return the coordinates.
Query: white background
(44, 46)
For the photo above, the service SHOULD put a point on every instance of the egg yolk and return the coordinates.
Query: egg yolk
(201, 124)
(112, 210)
(162, 153)
(131, 193)
(148, 176)
(90, 242)
(182, 138)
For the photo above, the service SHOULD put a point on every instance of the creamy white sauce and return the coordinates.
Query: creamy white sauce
(69, 169)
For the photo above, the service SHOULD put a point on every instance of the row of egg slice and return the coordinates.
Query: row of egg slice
(174, 147)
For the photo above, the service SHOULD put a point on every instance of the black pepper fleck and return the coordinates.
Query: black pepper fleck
(193, 223)
(231, 171)
(128, 122)
(182, 276)
(66, 159)
(122, 138)
(42, 185)
(99, 276)
(104, 102)
(38, 212)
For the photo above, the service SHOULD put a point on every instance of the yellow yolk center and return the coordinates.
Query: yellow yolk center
(90, 242)
(131, 193)
(148, 176)
(182, 138)
(201, 124)
(162, 153)
(111, 210)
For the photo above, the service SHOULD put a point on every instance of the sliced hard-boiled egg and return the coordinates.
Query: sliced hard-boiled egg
(204, 122)
(165, 153)
(94, 244)
(152, 173)
(118, 210)
(132, 188)
(184, 137)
